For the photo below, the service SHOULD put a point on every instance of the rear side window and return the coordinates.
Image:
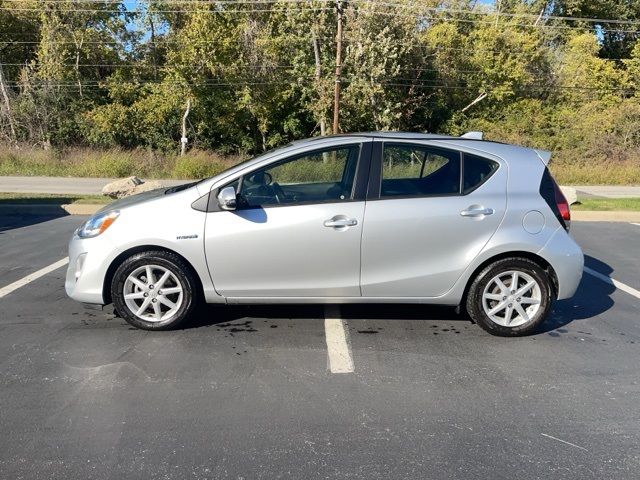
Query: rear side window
(476, 171)
(414, 170)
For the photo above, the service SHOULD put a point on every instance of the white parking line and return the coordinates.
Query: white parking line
(614, 282)
(338, 346)
(4, 291)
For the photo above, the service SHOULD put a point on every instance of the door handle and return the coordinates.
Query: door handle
(337, 222)
(477, 212)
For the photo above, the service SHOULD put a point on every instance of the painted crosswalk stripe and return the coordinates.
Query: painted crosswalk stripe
(4, 291)
(338, 345)
(612, 281)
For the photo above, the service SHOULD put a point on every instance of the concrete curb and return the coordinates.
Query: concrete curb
(89, 209)
(48, 209)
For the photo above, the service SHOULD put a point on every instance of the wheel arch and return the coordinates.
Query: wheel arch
(537, 259)
(106, 284)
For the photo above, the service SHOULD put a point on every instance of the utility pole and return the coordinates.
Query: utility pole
(318, 59)
(336, 102)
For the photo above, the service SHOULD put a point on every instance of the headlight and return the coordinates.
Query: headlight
(97, 224)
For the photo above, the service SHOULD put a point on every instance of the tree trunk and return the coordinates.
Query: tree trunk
(154, 54)
(7, 104)
(184, 140)
(316, 53)
(78, 77)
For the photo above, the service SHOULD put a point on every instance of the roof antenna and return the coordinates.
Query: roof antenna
(472, 135)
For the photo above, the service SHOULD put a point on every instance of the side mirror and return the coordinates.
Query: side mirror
(227, 198)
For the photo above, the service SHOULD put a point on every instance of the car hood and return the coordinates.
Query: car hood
(134, 199)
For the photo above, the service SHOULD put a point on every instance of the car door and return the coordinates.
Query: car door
(297, 228)
(430, 211)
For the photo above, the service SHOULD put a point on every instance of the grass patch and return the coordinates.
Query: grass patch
(46, 199)
(608, 204)
(113, 163)
(606, 173)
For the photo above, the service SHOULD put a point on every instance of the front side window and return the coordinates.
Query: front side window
(414, 170)
(315, 177)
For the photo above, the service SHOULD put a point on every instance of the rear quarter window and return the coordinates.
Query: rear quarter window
(476, 171)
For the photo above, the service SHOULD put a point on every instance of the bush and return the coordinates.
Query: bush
(199, 164)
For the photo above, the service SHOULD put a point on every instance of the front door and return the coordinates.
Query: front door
(297, 228)
(432, 212)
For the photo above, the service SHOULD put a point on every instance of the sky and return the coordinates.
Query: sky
(131, 4)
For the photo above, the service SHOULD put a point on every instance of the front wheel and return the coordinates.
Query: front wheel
(154, 290)
(510, 297)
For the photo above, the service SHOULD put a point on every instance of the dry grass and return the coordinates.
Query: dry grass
(84, 162)
(607, 173)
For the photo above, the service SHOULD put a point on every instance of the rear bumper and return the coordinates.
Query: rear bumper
(567, 260)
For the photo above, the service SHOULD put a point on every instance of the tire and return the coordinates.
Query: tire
(131, 279)
(498, 311)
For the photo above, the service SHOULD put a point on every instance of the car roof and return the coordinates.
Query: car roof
(391, 135)
(472, 139)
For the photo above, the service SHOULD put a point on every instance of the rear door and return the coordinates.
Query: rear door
(430, 211)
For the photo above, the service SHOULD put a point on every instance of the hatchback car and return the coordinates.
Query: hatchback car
(361, 218)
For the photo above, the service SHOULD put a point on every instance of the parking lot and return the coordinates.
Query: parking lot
(250, 392)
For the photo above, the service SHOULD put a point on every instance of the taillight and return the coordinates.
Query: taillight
(563, 206)
(550, 191)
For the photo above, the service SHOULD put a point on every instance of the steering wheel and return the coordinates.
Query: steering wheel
(278, 192)
(260, 178)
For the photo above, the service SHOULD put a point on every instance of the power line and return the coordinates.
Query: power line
(409, 5)
(492, 22)
(471, 50)
(215, 12)
(533, 16)
(398, 82)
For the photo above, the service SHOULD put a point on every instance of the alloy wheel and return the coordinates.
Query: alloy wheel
(153, 293)
(512, 298)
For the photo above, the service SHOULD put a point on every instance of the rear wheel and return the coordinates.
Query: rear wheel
(154, 290)
(510, 297)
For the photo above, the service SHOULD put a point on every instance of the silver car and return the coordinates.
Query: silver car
(361, 218)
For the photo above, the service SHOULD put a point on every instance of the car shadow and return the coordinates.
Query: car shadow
(18, 220)
(592, 298)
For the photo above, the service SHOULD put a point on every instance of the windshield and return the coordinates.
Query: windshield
(238, 166)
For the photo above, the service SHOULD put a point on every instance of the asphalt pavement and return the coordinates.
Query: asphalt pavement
(246, 392)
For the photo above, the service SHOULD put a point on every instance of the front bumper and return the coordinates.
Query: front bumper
(89, 260)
